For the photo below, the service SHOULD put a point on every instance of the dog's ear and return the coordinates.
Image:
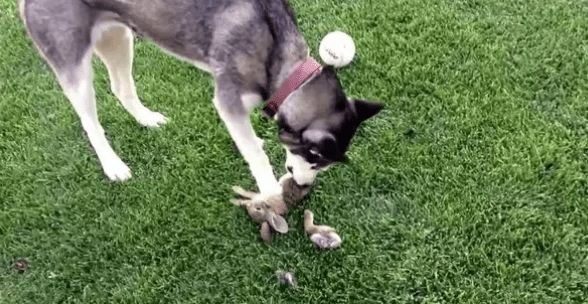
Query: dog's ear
(366, 109)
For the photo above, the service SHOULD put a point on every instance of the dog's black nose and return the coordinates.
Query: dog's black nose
(291, 169)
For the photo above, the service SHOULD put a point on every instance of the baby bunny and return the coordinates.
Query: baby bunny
(268, 212)
(324, 237)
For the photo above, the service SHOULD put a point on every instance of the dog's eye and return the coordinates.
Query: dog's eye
(313, 158)
(315, 153)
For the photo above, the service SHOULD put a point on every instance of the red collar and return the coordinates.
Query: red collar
(302, 73)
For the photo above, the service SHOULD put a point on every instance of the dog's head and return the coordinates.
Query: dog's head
(316, 124)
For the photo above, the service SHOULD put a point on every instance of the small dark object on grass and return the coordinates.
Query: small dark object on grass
(410, 133)
(287, 278)
(21, 265)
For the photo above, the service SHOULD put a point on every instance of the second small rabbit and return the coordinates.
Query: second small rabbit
(324, 237)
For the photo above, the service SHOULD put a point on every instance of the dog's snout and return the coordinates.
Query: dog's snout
(291, 169)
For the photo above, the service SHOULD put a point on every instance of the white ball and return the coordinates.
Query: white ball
(337, 49)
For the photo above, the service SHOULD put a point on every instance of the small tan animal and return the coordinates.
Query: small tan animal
(268, 212)
(324, 237)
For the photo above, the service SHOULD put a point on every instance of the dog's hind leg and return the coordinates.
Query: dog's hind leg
(80, 92)
(62, 31)
(115, 48)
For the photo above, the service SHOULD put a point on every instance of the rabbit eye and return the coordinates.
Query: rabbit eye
(258, 208)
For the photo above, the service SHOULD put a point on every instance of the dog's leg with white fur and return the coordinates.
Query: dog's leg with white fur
(115, 48)
(236, 118)
(77, 85)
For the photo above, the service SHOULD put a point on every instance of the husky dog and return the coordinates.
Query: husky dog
(249, 46)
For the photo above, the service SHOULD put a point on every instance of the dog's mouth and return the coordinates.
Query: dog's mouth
(303, 186)
(292, 186)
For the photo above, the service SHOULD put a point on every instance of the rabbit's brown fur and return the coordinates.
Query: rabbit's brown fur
(268, 211)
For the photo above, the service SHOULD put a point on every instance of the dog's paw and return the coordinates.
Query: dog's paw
(266, 196)
(269, 193)
(116, 170)
(269, 187)
(151, 119)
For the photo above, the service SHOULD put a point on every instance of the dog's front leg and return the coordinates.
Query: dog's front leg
(236, 117)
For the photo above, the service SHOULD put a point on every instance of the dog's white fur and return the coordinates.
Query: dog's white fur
(251, 147)
(303, 171)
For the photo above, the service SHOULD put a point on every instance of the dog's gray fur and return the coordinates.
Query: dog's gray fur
(249, 46)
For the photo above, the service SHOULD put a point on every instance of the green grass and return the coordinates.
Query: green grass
(471, 187)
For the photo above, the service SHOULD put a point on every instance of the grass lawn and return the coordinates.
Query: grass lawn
(470, 187)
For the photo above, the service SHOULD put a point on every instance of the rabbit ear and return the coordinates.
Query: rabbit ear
(277, 222)
(241, 202)
(244, 193)
(238, 202)
(266, 232)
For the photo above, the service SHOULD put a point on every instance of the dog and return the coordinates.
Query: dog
(251, 48)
